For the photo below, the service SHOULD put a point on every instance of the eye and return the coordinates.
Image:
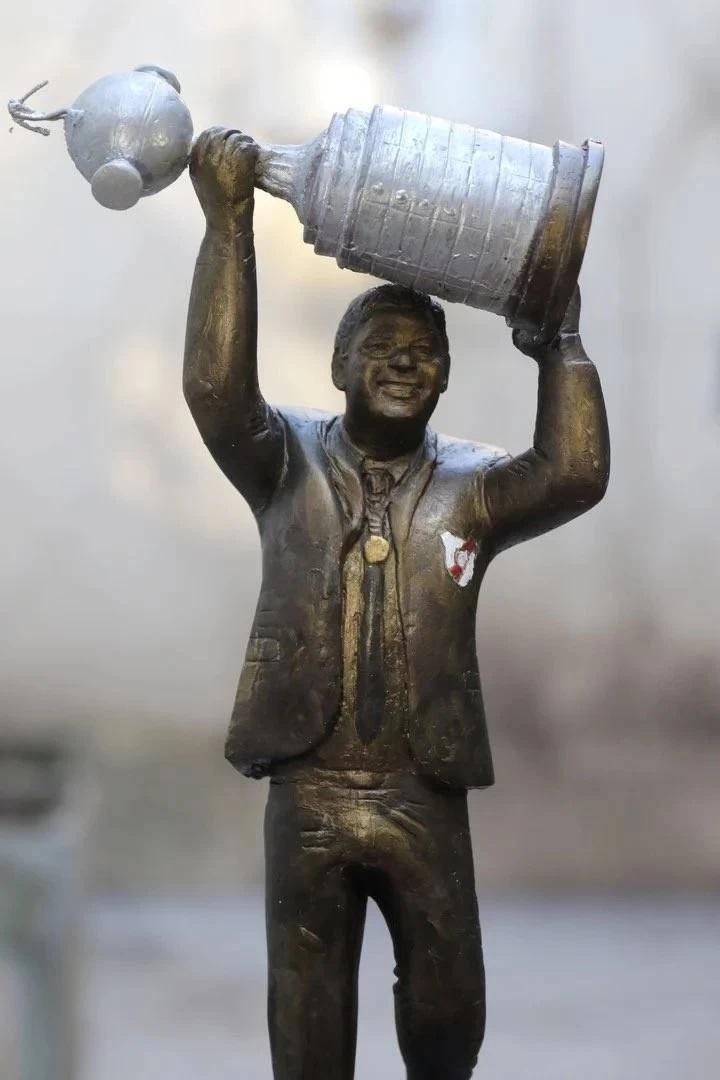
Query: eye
(378, 348)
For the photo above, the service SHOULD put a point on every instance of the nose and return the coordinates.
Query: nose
(402, 359)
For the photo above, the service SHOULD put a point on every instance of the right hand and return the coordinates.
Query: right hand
(569, 333)
(222, 169)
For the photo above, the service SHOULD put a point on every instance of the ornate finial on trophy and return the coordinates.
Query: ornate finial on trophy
(27, 118)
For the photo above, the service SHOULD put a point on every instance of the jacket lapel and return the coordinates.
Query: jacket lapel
(411, 488)
(345, 477)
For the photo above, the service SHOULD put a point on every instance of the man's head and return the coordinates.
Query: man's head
(391, 357)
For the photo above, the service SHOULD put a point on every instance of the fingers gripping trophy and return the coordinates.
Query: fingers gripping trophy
(360, 696)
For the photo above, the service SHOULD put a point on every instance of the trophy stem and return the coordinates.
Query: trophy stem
(287, 172)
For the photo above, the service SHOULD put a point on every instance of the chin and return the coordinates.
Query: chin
(400, 410)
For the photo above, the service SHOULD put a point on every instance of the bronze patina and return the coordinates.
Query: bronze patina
(360, 696)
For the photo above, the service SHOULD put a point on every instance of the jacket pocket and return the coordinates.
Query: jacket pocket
(262, 649)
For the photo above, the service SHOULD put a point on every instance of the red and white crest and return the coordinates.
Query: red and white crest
(459, 558)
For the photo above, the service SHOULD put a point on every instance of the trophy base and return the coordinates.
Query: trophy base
(559, 249)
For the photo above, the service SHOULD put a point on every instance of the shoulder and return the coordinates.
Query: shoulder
(463, 455)
(298, 417)
(304, 423)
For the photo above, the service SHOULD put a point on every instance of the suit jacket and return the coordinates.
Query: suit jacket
(288, 697)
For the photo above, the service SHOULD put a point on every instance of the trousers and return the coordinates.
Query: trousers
(333, 840)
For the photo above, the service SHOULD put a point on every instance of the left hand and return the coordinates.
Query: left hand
(222, 170)
(533, 345)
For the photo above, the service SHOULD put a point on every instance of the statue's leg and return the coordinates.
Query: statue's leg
(427, 894)
(315, 923)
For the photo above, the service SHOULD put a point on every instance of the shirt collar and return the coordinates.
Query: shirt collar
(397, 466)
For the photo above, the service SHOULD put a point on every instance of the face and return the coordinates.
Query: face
(395, 368)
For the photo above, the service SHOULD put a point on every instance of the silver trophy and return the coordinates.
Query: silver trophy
(465, 214)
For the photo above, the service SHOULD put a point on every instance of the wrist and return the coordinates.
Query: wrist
(230, 220)
(569, 347)
(565, 348)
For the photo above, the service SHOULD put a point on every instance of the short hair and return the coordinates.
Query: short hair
(389, 298)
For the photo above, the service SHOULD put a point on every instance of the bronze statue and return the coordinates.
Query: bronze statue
(360, 696)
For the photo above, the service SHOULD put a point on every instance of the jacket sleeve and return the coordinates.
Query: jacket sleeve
(566, 470)
(243, 433)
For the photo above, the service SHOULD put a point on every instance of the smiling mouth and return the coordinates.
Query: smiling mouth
(398, 389)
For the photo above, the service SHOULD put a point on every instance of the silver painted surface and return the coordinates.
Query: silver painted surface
(138, 117)
(117, 185)
(26, 117)
(124, 126)
(442, 207)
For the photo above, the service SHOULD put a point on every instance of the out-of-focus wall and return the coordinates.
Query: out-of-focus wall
(129, 567)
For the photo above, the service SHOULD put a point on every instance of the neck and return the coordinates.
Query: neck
(386, 441)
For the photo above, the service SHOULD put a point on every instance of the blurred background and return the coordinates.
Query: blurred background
(129, 567)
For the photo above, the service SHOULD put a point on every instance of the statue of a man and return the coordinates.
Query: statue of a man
(360, 696)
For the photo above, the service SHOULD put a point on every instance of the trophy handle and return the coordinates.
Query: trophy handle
(164, 73)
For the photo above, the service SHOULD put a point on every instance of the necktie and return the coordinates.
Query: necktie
(377, 483)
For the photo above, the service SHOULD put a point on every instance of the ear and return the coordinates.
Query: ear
(445, 381)
(339, 370)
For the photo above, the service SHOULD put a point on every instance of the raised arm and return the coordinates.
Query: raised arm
(566, 470)
(220, 376)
